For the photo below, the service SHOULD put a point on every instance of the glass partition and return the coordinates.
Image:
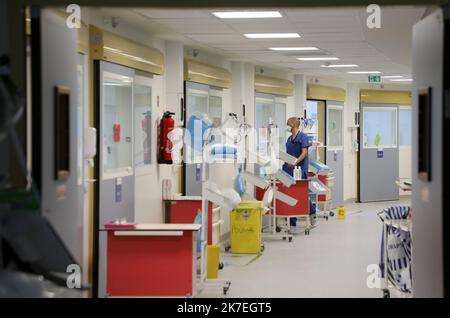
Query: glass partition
(334, 127)
(380, 127)
(405, 126)
(215, 108)
(197, 101)
(117, 125)
(280, 120)
(263, 114)
(269, 108)
(143, 121)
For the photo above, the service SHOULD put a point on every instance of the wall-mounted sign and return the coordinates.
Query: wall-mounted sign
(380, 153)
(374, 79)
(335, 155)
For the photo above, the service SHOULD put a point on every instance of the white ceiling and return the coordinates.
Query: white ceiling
(340, 32)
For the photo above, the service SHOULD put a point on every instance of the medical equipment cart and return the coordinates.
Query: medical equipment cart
(389, 287)
(280, 209)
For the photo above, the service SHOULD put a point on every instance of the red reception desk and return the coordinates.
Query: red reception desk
(152, 260)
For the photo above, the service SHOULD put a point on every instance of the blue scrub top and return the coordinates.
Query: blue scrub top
(294, 148)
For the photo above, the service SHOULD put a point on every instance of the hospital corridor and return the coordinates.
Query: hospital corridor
(242, 154)
(332, 263)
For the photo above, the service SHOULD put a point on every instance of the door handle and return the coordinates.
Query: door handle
(181, 109)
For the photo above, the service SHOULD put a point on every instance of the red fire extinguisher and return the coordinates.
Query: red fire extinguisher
(167, 124)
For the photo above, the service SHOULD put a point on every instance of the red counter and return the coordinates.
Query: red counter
(152, 260)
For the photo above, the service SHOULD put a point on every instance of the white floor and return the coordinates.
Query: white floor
(331, 262)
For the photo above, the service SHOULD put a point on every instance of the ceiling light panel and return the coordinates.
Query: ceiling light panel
(299, 48)
(402, 80)
(364, 72)
(317, 58)
(247, 14)
(340, 65)
(392, 76)
(271, 35)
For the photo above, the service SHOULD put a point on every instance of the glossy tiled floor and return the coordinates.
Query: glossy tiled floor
(331, 262)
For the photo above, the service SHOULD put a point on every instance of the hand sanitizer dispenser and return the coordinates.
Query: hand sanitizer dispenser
(90, 143)
(297, 173)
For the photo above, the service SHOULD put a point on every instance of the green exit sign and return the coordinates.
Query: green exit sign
(374, 79)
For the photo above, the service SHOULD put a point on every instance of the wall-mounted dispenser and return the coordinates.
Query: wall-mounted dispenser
(90, 144)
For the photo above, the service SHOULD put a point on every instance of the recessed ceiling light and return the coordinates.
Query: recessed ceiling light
(317, 58)
(392, 76)
(340, 65)
(402, 80)
(271, 35)
(300, 48)
(364, 72)
(247, 14)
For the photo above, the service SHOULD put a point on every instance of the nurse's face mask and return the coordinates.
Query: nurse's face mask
(289, 129)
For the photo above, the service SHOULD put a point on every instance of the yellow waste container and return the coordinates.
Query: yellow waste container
(212, 267)
(341, 213)
(245, 228)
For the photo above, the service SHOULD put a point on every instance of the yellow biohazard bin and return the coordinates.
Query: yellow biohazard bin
(341, 213)
(245, 228)
(212, 267)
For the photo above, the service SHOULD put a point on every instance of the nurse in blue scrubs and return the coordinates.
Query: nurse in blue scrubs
(297, 146)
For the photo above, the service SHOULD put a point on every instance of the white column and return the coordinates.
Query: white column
(350, 155)
(174, 73)
(243, 89)
(300, 94)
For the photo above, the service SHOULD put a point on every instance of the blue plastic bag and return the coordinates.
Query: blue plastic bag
(193, 137)
(239, 184)
(224, 151)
